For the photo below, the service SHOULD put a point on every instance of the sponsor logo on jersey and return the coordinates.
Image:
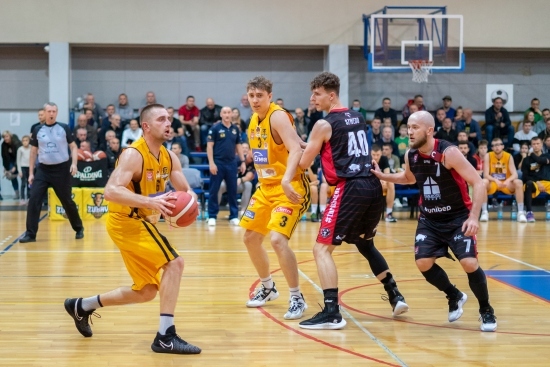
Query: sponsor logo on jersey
(332, 207)
(457, 237)
(431, 190)
(149, 175)
(354, 168)
(249, 214)
(284, 209)
(260, 156)
(325, 232)
(420, 237)
(438, 209)
(340, 237)
(251, 202)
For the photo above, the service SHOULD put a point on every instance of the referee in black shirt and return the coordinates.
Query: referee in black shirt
(51, 142)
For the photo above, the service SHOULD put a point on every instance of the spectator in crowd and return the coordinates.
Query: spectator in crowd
(541, 124)
(301, 122)
(546, 132)
(459, 116)
(497, 122)
(482, 149)
(314, 184)
(109, 111)
(244, 108)
(10, 145)
(356, 106)
(499, 174)
(177, 149)
(189, 116)
(393, 161)
(387, 123)
(223, 140)
(109, 134)
(175, 123)
(470, 126)
(523, 136)
(313, 115)
(112, 152)
(546, 147)
(210, 114)
(418, 101)
(124, 110)
(131, 134)
(150, 98)
(412, 109)
(535, 108)
(112, 124)
(279, 102)
(388, 188)
(239, 122)
(462, 136)
(439, 117)
(86, 146)
(90, 120)
(536, 175)
(97, 111)
(41, 119)
(23, 162)
(386, 111)
(387, 138)
(174, 138)
(464, 148)
(80, 135)
(447, 132)
(449, 111)
(520, 156)
(402, 141)
(91, 133)
(55, 169)
(376, 129)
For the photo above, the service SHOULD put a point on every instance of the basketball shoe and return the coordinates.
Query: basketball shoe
(488, 319)
(263, 295)
(455, 306)
(328, 319)
(396, 299)
(81, 318)
(297, 306)
(172, 343)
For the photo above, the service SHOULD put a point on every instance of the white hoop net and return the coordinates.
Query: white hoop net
(421, 69)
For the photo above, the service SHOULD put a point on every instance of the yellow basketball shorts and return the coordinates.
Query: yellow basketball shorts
(545, 184)
(270, 210)
(494, 188)
(144, 250)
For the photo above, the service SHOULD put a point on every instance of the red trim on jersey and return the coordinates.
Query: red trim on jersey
(463, 187)
(327, 164)
(343, 109)
(330, 217)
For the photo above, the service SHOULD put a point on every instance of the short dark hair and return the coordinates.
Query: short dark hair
(375, 148)
(464, 142)
(178, 144)
(327, 80)
(388, 145)
(535, 138)
(260, 82)
(418, 95)
(483, 142)
(109, 105)
(535, 99)
(146, 112)
(386, 99)
(528, 122)
(189, 97)
(546, 109)
(496, 139)
(498, 98)
(356, 100)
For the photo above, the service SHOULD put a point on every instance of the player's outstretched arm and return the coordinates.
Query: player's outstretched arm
(177, 178)
(405, 177)
(320, 133)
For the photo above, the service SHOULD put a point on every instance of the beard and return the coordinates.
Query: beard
(419, 142)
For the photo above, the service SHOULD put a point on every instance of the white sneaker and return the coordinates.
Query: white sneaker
(234, 221)
(262, 296)
(405, 202)
(484, 216)
(397, 203)
(488, 320)
(521, 217)
(455, 307)
(211, 222)
(297, 306)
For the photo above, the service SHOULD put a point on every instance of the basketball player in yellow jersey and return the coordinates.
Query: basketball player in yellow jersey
(281, 199)
(499, 174)
(136, 194)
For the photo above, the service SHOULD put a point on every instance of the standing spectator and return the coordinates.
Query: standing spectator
(23, 161)
(189, 116)
(41, 119)
(113, 152)
(244, 180)
(402, 141)
(536, 176)
(10, 145)
(535, 108)
(470, 126)
(449, 111)
(210, 114)
(301, 122)
(497, 122)
(376, 129)
(386, 111)
(223, 139)
(446, 132)
(52, 143)
(97, 111)
(313, 115)
(131, 134)
(279, 102)
(418, 101)
(356, 106)
(91, 133)
(123, 109)
(523, 136)
(244, 108)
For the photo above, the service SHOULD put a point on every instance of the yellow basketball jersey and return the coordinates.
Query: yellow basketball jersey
(154, 175)
(269, 157)
(498, 168)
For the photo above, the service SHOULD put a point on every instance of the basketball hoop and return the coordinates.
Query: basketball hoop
(421, 69)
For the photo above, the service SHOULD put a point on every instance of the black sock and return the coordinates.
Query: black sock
(376, 261)
(439, 279)
(478, 285)
(528, 197)
(331, 299)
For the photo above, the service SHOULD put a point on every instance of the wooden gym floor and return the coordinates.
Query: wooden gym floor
(36, 277)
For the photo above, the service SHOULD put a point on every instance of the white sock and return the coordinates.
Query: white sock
(322, 208)
(295, 292)
(520, 207)
(484, 207)
(389, 210)
(91, 303)
(166, 320)
(267, 282)
(314, 208)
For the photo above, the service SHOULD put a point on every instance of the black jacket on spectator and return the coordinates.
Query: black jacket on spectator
(111, 159)
(490, 117)
(313, 118)
(210, 116)
(383, 115)
(451, 136)
(9, 152)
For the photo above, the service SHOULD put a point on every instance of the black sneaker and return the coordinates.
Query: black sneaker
(331, 320)
(396, 299)
(73, 306)
(488, 319)
(172, 343)
(455, 306)
(390, 218)
(26, 238)
(80, 234)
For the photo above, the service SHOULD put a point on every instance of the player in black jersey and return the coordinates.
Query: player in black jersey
(356, 205)
(448, 217)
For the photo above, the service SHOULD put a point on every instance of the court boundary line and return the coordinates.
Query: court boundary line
(519, 261)
(16, 240)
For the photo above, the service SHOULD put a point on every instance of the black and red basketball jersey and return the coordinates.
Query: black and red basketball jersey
(347, 153)
(443, 193)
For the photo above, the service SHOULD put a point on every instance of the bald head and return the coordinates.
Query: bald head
(423, 118)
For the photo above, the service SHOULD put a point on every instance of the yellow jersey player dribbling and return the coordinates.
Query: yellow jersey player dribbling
(282, 198)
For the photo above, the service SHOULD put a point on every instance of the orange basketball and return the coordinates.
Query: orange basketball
(88, 156)
(99, 155)
(185, 212)
(81, 155)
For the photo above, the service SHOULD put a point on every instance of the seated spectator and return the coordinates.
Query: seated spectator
(97, 111)
(520, 157)
(498, 123)
(546, 132)
(449, 111)
(482, 149)
(547, 144)
(463, 137)
(131, 134)
(244, 109)
(150, 98)
(541, 124)
(439, 117)
(402, 141)
(210, 114)
(112, 152)
(529, 116)
(535, 108)
(123, 109)
(80, 135)
(470, 126)
(313, 115)
(86, 146)
(500, 174)
(91, 133)
(177, 149)
(189, 116)
(239, 122)
(174, 138)
(356, 106)
(386, 111)
(109, 111)
(301, 122)
(459, 116)
(91, 120)
(393, 161)
(314, 183)
(536, 175)
(279, 102)
(387, 123)
(464, 148)
(412, 109)
(113, 124)
(523, 136)
(386, 138)
(446, 132)
(418, 101)
(376, 129)
(388, 188)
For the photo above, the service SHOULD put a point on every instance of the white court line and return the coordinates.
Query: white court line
(519, 261)
(361, 327)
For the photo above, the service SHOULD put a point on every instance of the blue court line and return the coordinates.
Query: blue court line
(17, 239)
(534, 282)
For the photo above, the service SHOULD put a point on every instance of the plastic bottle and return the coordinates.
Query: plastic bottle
(494, 203)
(304, 217)
(514, 213)
(499, 212)
(548, 211)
